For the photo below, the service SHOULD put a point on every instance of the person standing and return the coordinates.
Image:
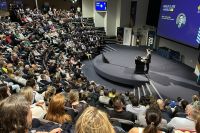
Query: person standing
(147, 59)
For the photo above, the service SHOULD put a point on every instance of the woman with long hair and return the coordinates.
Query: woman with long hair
(153, 119)
(56, 110)
(93, 120)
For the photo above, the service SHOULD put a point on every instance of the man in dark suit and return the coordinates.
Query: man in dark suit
(147, 60)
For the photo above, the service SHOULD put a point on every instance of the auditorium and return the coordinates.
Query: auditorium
(99, 66)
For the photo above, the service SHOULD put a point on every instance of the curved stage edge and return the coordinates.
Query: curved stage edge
(116, 73)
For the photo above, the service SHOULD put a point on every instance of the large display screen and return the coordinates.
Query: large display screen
(101, 6)
(180, 21)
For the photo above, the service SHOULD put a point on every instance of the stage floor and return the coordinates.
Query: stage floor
(118, 73)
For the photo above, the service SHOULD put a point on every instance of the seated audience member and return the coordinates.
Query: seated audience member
(197, 127)
(75, 103)
(134, 106)
(44, 80)
(36, 96)
(93, 97)
(16, 116)
(93, 120)
(56, 110)
(4, 91)
(187, 123)
(105, 99)
(16, 77)
(38, 109)
(119, 112)
(179, 111)
(194, 99)
(112, 93)
(153, 119)
(27, 92)
(142, 117)
(48, 94)
(166, 113)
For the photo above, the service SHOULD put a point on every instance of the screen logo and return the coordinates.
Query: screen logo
(181, 20)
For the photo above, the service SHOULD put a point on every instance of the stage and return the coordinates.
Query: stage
(170, 78)
(108, 66)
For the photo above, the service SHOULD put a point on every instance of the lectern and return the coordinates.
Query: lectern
(139, 65)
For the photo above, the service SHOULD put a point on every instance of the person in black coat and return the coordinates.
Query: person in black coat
(147, 60)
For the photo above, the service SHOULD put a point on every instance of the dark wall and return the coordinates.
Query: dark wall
(153, 12)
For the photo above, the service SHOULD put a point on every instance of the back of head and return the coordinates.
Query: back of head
(3, 91)
(93, 120)
(134, 101)
(73, 96)
(117, 103)
(43, 77)
(56, 105)
(14, 111)
(184, 103)
(195, 98)
(179, 99)
(31, 83)
(56, 110)
(106, 92)
(198, 125)
(143, 101)
(113, 91)
(27, 92)
(161, 103)
(153, 119)
(49, 93)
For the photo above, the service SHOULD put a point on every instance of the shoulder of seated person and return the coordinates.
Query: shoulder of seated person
(134, 130)
(179, 131)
